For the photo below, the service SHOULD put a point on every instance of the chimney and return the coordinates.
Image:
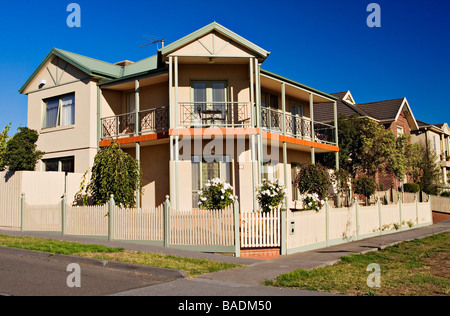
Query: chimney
(124, 63)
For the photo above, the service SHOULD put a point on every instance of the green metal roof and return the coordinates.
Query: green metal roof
(220, 29)
(98, 68)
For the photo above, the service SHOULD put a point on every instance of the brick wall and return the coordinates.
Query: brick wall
(401, 121)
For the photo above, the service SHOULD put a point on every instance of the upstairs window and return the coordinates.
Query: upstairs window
(59, 111)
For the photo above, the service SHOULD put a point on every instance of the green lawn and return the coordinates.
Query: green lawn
(191, 266)
(419, 267)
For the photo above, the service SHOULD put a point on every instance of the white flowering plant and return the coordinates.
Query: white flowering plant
(270, 194)
(216, 194)
(311, 201)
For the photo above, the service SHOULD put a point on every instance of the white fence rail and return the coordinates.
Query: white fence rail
(139, 224)
(86, 221)
(310, 229)
(162, 225)
(201, 227)
(260, 229)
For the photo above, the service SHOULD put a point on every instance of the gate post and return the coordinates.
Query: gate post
(111, 205)
(63, 214)
(237, 229)
(22, 212)
(166, 222)
(283, 223)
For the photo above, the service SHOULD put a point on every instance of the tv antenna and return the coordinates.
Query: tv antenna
(162, 41)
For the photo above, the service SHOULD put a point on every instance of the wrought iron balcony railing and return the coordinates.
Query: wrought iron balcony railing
(150, 121)
(297, 126)
(215, 114)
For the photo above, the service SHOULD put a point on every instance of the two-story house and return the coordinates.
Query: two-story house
(436, 138)
(201, 108)
(395, 115)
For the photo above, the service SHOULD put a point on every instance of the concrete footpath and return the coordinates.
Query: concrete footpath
(247, 281)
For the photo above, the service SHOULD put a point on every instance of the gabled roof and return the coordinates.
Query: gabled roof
(384, 112)
(323, 112)
(98, 68)
(90, 66)
(388, 111)
(219, 29)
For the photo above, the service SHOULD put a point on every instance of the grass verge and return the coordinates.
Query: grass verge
(415, 268)
(192, 266)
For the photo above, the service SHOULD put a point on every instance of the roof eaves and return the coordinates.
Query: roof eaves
(301, 85)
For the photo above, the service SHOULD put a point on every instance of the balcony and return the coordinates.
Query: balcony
(297, 126)
(150, 121)
(215, 114)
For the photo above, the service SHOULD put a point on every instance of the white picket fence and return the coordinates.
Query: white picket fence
(162, 225)
(202, 227)
(311, 230)
(260, 230)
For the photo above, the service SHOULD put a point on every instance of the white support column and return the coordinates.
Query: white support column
(171, 168)
(283, 105)
(258, 119)
(177, 171)
(136, 133)
(177, 109)
(336, 135)
(252, 93)
(313, 138)
(171, 105)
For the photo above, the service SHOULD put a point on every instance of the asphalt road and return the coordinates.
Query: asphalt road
(27, 273)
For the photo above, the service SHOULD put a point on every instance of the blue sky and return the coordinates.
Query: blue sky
(325, 44)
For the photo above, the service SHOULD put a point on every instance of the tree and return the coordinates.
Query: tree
(366, 148)
(431, 172)
(21, 153)
(365, 186)
(114, 172)
(3, 143)
(313, 178)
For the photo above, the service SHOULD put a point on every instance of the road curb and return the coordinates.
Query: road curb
(114, 265)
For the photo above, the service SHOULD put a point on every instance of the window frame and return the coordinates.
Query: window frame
(59, 112)
(59, 162)
(225, 171)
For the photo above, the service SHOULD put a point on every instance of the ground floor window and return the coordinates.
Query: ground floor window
(208, 168)
(66, 164)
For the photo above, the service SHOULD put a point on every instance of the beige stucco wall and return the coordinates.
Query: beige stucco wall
(80, 139)
(155, 173)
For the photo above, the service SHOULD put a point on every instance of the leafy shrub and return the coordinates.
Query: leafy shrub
(21, 153)
(365, 186)
(411, 187)
(270, 195)
(313, 178)
(445, 194)
(217, 194)
(114, 172)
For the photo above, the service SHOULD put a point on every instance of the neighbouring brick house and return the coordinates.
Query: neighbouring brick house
(436, 137)
(395, 115)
